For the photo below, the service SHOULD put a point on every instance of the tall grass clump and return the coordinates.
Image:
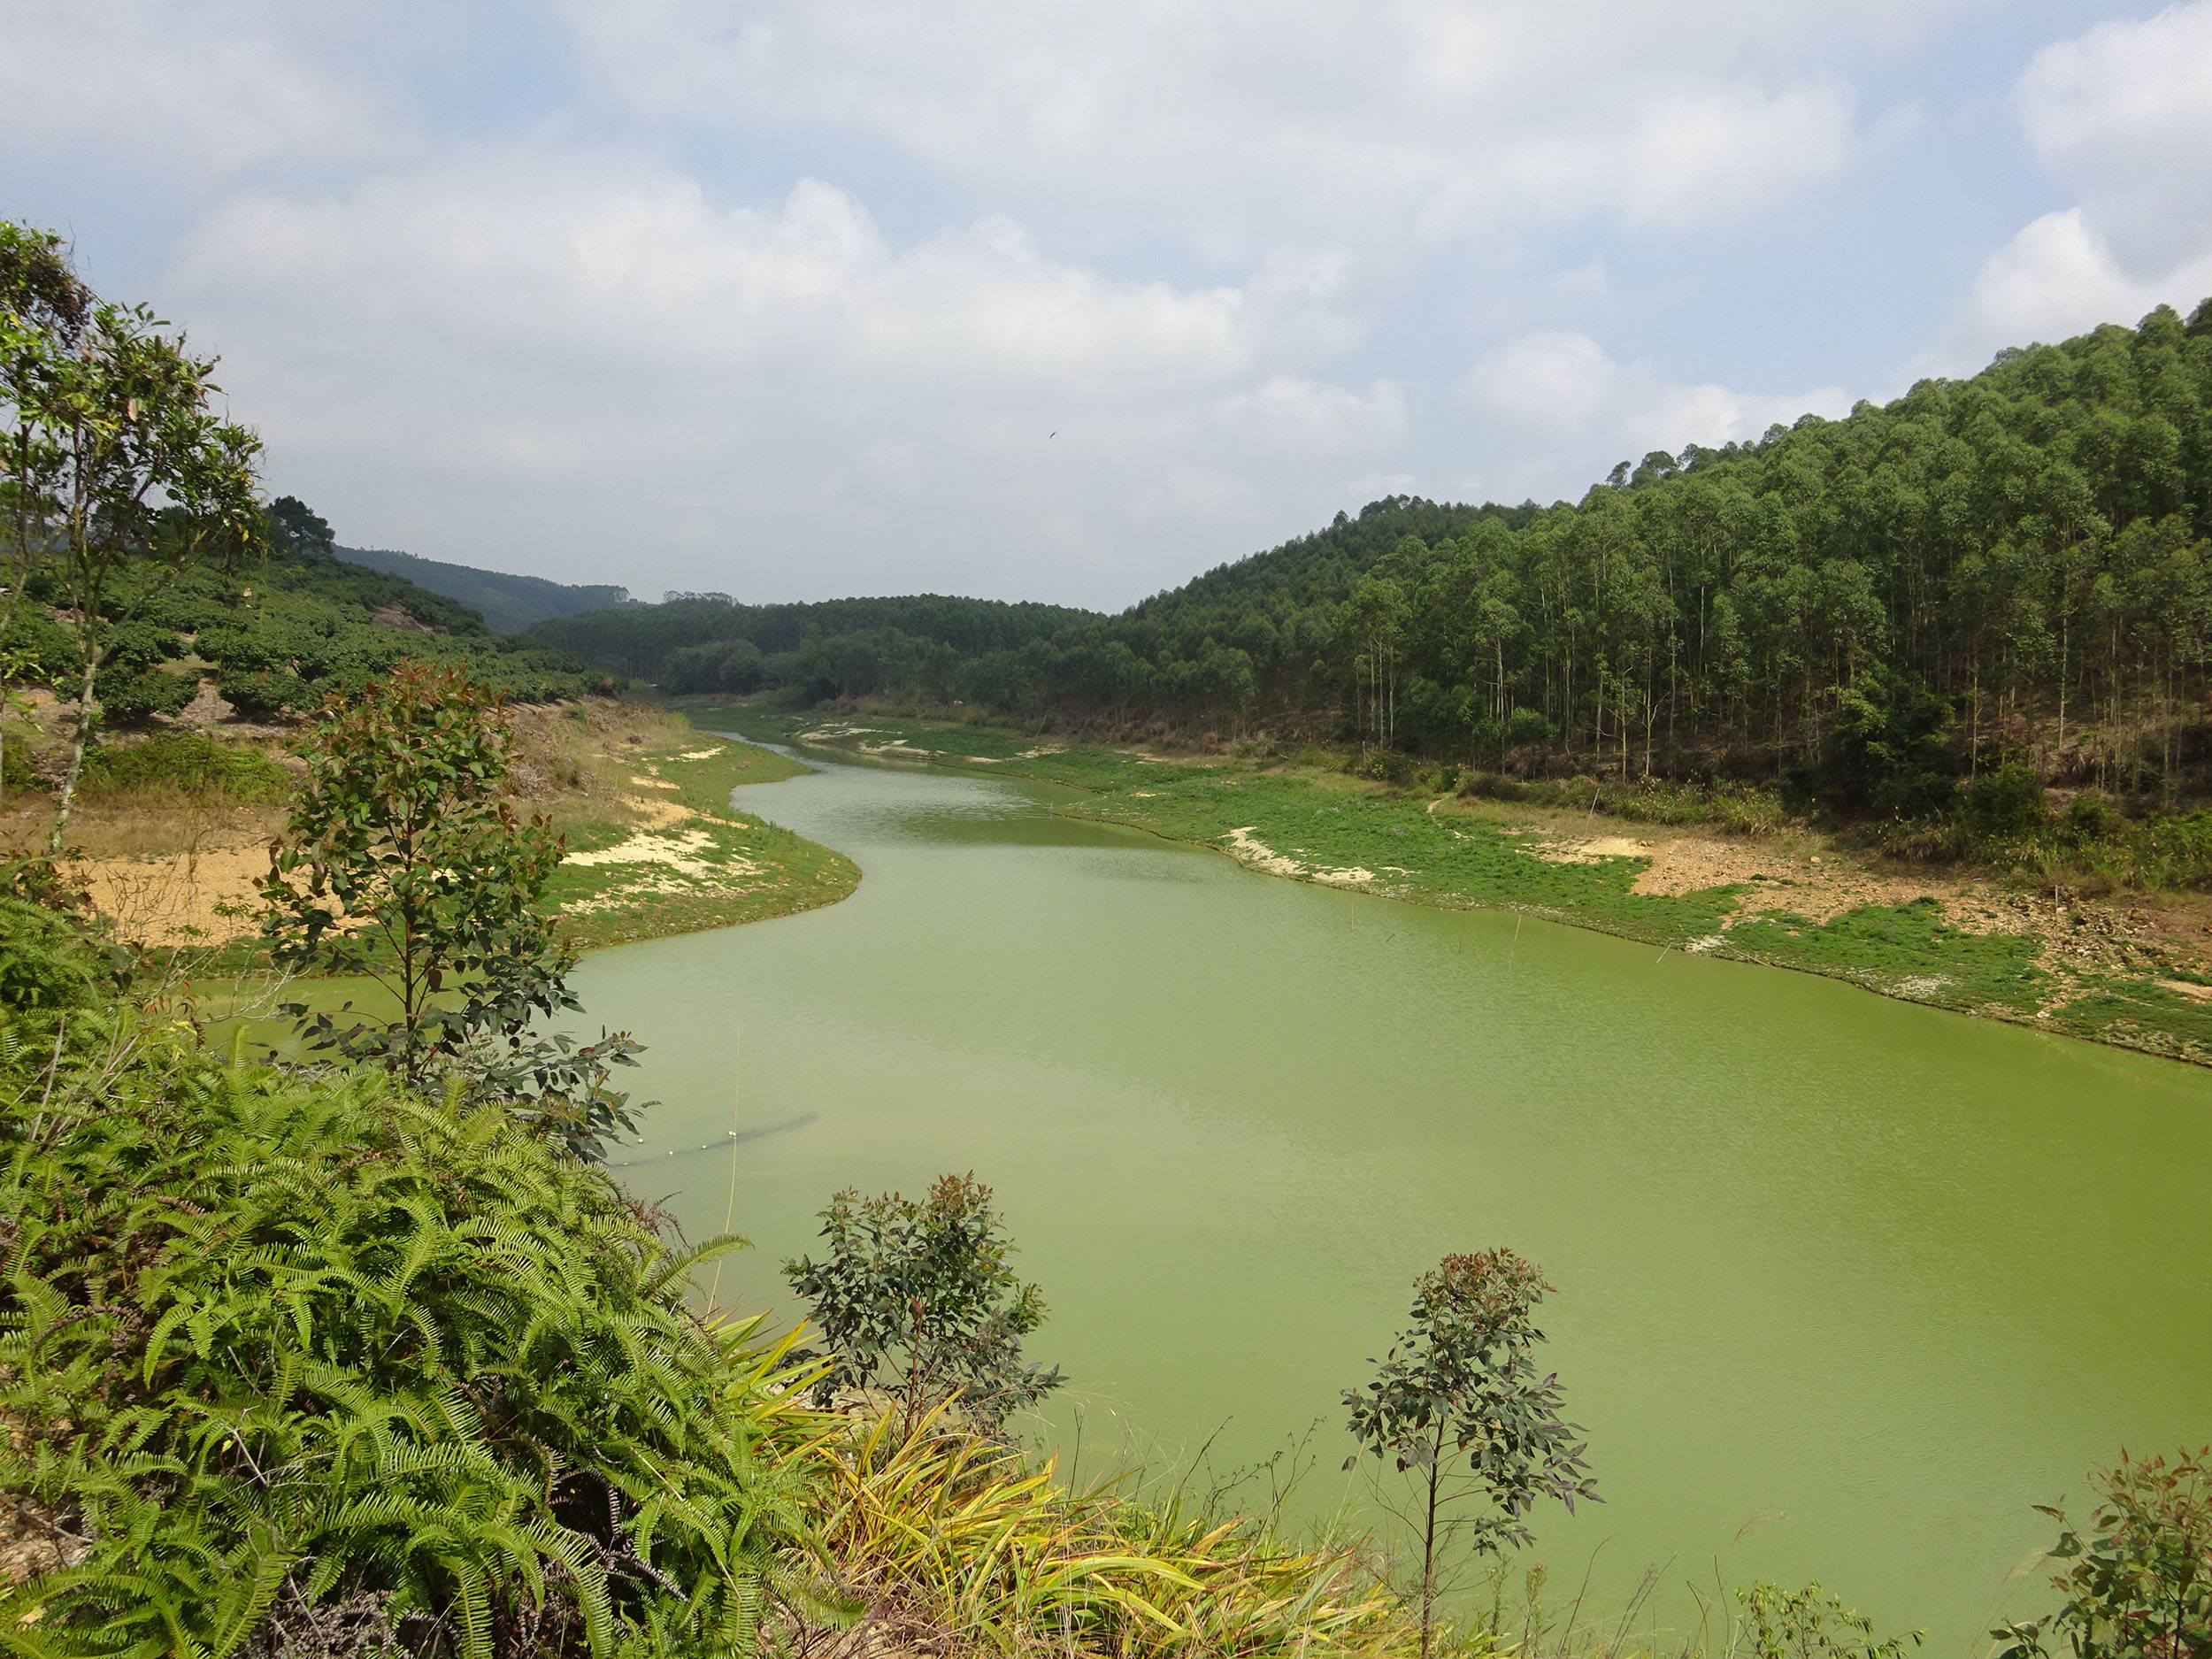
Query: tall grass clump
(960, 1545)
(1734, 809)
(187, 764)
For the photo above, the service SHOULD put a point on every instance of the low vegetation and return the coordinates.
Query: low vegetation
(301, 1359)
(369, 1356)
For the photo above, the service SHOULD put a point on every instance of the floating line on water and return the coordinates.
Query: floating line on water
(735, 1137)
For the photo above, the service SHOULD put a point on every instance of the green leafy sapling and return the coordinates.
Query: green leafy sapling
(404, 862)
(1457, 1406)
(2138, 1578)
(1810, 1624)
(914, 1299)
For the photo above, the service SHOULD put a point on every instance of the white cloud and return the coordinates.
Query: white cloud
(1300, 120)
(195, 92)
(1557, 412)
(535, 355)
(1290, 412)
(2058, 278)
(2121, 114)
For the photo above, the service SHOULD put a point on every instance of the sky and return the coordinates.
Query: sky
(1071, 300)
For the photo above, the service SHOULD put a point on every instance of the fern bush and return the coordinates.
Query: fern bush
(45, 963)
(301, 1363)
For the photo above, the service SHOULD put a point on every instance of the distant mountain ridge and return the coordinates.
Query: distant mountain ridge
(510, 603)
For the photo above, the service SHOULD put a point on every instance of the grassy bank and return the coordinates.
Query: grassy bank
(672, 857)
(172, 829)
(2112, 973)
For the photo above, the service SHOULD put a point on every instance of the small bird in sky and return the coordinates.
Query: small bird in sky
(1049, 435)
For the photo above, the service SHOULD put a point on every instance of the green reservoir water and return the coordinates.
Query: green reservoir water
(1844, 1284)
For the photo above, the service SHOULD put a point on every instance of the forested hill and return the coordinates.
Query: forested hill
(2012, 567)
(831, 648)
(510, 603)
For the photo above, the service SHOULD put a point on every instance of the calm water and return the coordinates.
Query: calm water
(1844, 1284)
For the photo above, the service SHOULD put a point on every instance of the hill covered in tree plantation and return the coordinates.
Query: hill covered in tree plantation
(2008, 569)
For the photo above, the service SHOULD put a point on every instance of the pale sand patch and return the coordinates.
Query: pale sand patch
(654, 783)
(1589, 852)
(673, 849)
(1259, 856)
(660, 885)
(701, 754)
(1039, 754)
(659, 814)
(177, 899)
(1819, 888)
(2188, 988)
(669, 866)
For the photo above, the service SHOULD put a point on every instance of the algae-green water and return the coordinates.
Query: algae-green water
(1844, 1284)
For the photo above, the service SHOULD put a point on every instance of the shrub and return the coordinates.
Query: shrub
(2089, 819)
(2174, 852)
(45, 963)
(1810, 1624)
(1492, 785)
(1525, 728)
(2003, 805)
(191, 763)
(916, 1298)
(130, 696)
(297, 1354)
(264, 693)
(2138, 1579)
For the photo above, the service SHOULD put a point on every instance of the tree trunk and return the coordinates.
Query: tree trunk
(80, 735)
(1428, 1549)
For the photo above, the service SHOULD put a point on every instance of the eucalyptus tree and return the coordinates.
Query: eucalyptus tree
(1458, 1407)
(44, 308)
(404, 862)
(121, 476)
(917, 1300)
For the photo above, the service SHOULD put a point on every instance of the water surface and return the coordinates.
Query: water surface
(1844, 1284)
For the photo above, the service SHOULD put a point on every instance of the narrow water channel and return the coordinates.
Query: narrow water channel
(1844, 1284)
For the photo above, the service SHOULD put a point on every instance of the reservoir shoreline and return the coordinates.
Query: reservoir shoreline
(2100, 973)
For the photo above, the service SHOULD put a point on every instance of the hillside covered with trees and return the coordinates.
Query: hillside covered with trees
(967, 649)
(508, 602)
(2012, 568)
